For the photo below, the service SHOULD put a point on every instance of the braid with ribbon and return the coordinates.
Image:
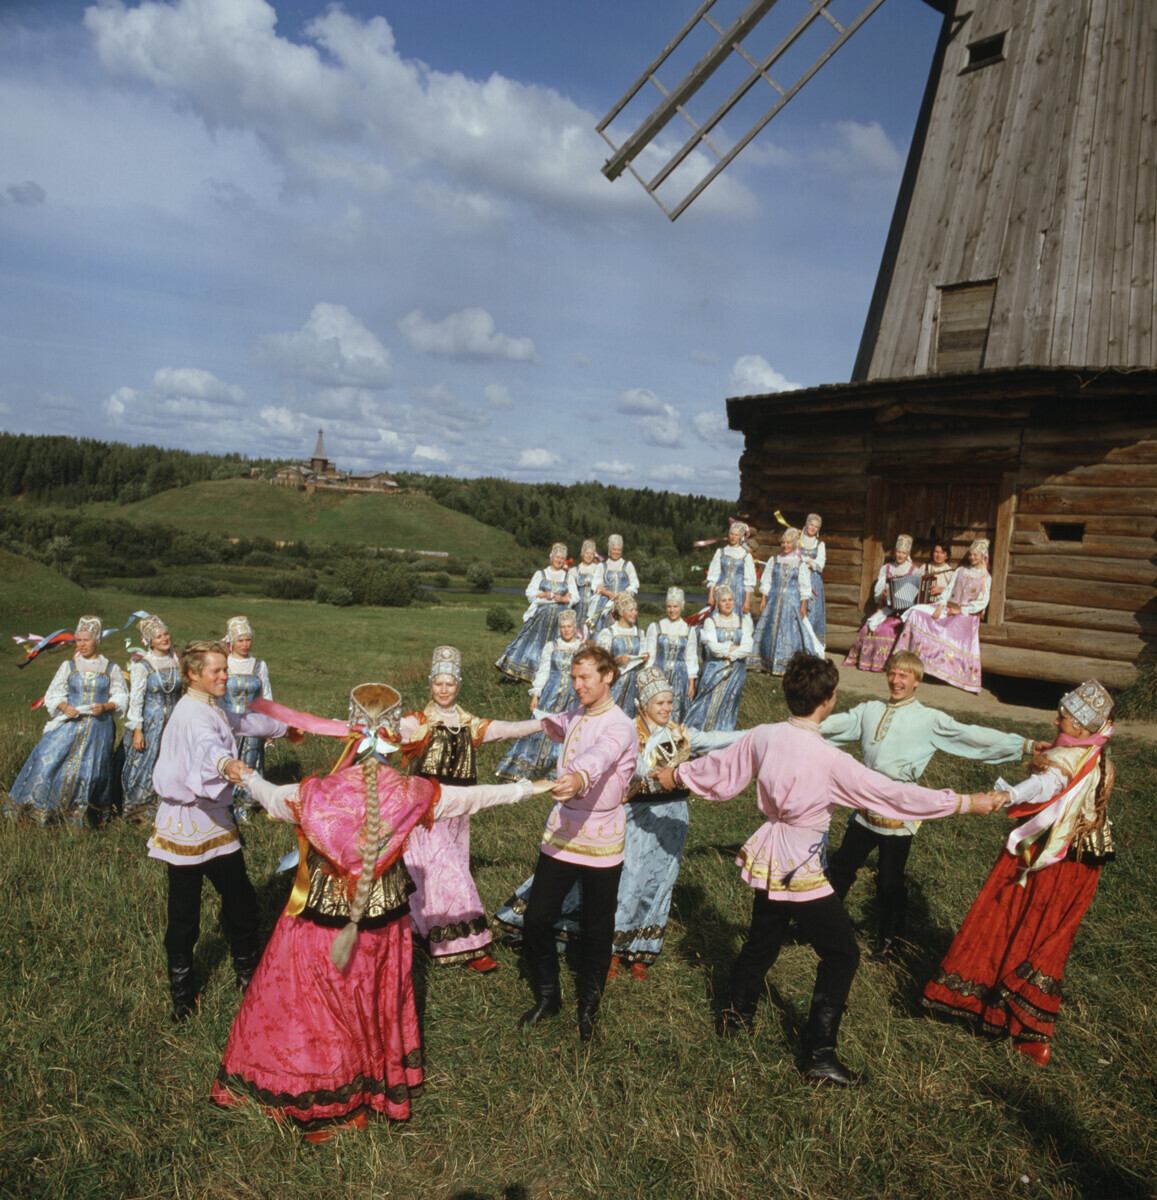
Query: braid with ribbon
(345, 941)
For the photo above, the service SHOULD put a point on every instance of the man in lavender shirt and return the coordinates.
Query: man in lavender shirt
(584, 838)
(195, 833)
(800, 779)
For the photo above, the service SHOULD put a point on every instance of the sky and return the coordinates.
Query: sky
(225, 224)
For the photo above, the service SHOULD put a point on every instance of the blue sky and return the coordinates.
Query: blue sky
(225, 223)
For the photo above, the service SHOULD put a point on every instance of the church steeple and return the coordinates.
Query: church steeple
(320, 461)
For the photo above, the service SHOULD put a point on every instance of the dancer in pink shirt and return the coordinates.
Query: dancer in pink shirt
(800, 780)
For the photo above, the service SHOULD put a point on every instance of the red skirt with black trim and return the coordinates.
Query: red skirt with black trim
(1007, 963)
(321, 1045)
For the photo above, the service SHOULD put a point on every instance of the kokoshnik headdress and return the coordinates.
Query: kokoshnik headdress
(651, 682)
(447, 660)
(1089, 705)
(151, 626)
(980, 545)
(622, 602)
(376, 708)
(90, 626)
(904, 543)
(675, 596)
(558, 548)
(237, 628)
(816, 518)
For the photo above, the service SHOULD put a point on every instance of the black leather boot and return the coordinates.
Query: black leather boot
(547, 1002)
(589, 994)
(891, 937)
(820, 1063)
(182, 988)
(738, 1018)
(243, 966)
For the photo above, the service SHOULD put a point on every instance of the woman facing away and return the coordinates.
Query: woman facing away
(68, 777)
(552, 692)
(328, 1031)
(877, 637)
(549, 592)
(1006, 966)
(945, 635)
(154, 689)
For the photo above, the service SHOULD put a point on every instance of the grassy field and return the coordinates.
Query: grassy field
(103, 1097)
(249, 508)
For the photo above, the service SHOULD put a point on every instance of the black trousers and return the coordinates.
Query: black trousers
(891, 887)
(823, 924)
(238, 906)
(553, 879)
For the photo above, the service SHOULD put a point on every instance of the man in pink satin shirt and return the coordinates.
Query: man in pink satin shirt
(800, 780)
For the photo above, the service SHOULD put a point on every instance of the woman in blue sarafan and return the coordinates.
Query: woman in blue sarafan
(550, 591)
(586, 574)
(783, 626)
(732, 566)
(68, 777)
(154, 689)
(816, 556)
(726, 639)
(656, 833)
(674, 648)
(248, 680)
(618, 576)
(535, 756)
(624, 642)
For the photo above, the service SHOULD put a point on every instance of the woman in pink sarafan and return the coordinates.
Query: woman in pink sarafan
(877, 637)
(328, 1031)
(946, 636)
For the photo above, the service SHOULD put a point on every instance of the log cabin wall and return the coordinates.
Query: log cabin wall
(1057, 468)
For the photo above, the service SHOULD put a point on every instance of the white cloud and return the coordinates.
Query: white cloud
(333, 348)
(712, 427)
(538, 459)
(498, 396)
(660, 423)
(466, 334)
(282, 421)
(674, 473)
(192, 383)
(119, 402)
(752, 374)
(639, 400)
(452, 414)
(861, 150)
(432, 454)
(619, 470)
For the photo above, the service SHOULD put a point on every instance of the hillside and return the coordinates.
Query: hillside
(34, 594)
(247, 508)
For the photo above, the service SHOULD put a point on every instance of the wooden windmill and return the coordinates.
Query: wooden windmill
(1006, 380)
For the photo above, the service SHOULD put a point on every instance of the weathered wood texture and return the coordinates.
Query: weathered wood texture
(1039, 172)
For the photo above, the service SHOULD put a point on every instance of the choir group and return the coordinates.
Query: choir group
(622, 728)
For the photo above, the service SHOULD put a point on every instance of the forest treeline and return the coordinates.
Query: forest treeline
(69, 471)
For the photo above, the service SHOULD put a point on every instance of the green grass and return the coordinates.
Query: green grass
(250, 508)
(32, 592)
(102, 1097)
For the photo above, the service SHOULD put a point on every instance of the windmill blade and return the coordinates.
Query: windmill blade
(727, 47)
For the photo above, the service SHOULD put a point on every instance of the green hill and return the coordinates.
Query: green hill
(30, 592)
(250, 508)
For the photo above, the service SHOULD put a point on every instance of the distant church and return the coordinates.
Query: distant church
(322, 475)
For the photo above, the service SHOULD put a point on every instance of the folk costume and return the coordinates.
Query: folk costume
(534, 755)
(540, 621)
(877, 637)
(727, 641)
(898, 739)
(440, 744)
(816, 556)
(248, 680)
(656, 832)
(1006, 965)
(585, 582)
(154, 689)
(583, 841)
(617, 576)
(948, 644)
(733, 566)
(328, 1032)
(195, 835)
(782, 629)
(673, 647)
(800, 780)
(68, 777)
(621, 639)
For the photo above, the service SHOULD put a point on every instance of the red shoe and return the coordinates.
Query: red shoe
(1039, 1052)
(320, 1136)
(485, 963)
(613, 972)
(638, 970)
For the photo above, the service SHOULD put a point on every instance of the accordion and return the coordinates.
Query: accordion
(907, 590)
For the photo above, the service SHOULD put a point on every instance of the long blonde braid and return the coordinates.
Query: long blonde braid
(343, 944)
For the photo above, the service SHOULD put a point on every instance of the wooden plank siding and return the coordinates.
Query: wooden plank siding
(1063, 481)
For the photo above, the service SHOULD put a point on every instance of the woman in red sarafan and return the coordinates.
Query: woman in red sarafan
(328, 1030)
(1007, 963)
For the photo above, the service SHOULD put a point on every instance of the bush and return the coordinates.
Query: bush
(180, 586)
(441, 580)
(261, 558)
(480, 576)
(499, 620)
(424, 596)
(648, 608)
(291, 585)
(340, 597)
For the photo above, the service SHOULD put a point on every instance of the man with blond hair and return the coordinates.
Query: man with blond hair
(898, 737)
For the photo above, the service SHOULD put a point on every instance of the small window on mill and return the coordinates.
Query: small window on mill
(985, 52)
(1065, 533)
